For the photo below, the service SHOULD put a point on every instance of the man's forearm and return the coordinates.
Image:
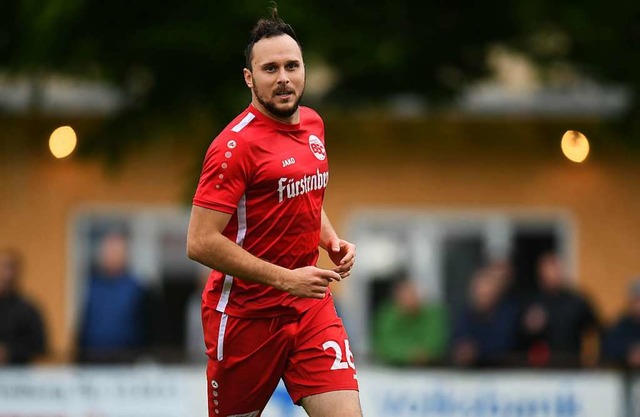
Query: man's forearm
(326, 231)
(223, 255)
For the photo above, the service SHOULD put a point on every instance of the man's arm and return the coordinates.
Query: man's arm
(206, 244)
(341, 252)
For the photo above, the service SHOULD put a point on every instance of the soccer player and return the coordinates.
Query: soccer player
(258, 221)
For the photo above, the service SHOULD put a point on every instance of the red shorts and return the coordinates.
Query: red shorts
(247, 358)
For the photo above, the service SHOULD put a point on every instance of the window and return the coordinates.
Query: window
(441, 251)
(155, 246)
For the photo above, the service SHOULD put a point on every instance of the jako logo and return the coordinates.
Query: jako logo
(287, 162)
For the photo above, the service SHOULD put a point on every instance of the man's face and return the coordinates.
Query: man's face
(406, 297)
(113, 255)
(277, 76)
(551, 274)
(485, 291)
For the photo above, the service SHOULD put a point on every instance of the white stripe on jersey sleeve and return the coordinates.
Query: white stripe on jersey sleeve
(245, 121)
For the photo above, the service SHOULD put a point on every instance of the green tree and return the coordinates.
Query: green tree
(174, 58)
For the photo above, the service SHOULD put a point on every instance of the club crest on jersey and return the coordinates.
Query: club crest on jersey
(317, 148)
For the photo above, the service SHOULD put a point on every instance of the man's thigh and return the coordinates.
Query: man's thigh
(246, 360)
(320, 361)
(333, 404)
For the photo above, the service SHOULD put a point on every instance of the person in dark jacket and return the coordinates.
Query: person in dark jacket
(485, 333)
(621, 343)
(557, 320)
(22, 334)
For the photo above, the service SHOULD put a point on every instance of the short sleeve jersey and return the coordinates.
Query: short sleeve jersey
(271, 177)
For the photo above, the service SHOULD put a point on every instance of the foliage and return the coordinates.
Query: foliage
(175, 57)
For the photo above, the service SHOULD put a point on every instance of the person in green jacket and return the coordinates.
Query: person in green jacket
(409, 332)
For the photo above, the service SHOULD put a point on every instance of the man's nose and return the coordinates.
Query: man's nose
(283, 78)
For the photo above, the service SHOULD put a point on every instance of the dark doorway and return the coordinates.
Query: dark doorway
(528, 246)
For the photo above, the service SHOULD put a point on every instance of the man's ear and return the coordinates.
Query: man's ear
(248, 77)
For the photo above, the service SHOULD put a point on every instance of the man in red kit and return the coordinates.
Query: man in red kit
(258, 221)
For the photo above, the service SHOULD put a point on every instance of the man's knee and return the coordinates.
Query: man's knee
(333, 404)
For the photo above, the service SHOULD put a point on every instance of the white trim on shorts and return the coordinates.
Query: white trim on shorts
(223, 327)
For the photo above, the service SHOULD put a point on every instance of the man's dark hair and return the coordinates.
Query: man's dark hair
(268, 28)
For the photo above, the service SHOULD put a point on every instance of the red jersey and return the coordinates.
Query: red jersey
(271, 177)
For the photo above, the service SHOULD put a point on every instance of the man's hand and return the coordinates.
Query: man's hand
(465, 353)
(309, 282)
(343, 255)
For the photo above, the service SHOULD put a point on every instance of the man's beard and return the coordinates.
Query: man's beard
(271, 107)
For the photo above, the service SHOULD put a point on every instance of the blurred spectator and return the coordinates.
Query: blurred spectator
(556, 320)
(115, 326)
(194, 334)
(485, 334)
(22, 335)
(409, 332)
(501, 270)
(621, 345)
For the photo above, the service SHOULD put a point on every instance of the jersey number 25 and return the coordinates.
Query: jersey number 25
(338, 363)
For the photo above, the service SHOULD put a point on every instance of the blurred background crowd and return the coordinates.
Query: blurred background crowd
(554, 326)
(500, 325)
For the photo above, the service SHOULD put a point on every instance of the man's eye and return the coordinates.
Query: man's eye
(270, 69)
(292, 66)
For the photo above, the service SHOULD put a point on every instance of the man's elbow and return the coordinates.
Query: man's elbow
(194, 250)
